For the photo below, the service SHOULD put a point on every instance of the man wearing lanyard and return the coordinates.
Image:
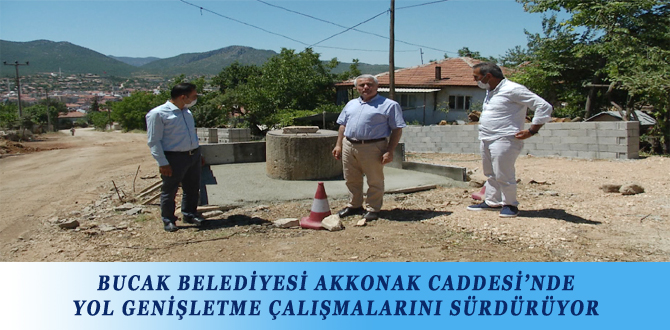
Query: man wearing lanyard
(501, 135)
(365, 125)
(174, 145)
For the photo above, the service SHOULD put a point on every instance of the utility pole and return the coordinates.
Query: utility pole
(48, 116)
(18, 86)
(391, 52)
(421, 50)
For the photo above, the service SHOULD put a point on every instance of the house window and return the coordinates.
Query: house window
(459, 102)
(407, 100)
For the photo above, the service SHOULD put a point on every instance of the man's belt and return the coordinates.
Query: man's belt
(190, 152)
(365, 141)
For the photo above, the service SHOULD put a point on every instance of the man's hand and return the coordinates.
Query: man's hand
(387, 157)
(165, 170)
(522, 135)
(337, 152)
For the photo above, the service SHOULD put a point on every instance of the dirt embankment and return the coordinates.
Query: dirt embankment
(564, 215)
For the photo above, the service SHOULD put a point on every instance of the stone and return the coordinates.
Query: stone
(105, 227)
(476, 183)
(134, 211)
(631, 189)
(332, 223)
(286, 223)
(124, 207)
(212, 214)
(610, 188)
(361, 223)
(69, 225)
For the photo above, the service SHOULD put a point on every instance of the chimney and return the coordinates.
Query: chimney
(438, 72)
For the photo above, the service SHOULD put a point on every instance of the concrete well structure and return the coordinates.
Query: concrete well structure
(301, 156)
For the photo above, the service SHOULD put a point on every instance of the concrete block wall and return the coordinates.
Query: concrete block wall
(590, 140)
(227, 135)
(223, 135)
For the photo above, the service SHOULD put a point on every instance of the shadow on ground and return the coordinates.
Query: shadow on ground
(410, 215)
(556, 214)
(232, 221)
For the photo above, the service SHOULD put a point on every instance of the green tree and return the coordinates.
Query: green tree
(288, 81)
(632, 39)
(234, 75)
(466, 52)
(9, 115)
(131, 111)
(95, 106)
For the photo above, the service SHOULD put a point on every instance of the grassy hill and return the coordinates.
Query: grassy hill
(208, 63)
(49, 56)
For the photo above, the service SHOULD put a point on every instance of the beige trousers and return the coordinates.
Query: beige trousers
(359, 160)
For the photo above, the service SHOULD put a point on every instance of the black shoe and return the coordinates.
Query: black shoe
(196, 220)
(347, 211)
(371, 216)
(169, 226)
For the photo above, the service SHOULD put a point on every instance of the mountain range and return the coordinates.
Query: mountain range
(46, 56)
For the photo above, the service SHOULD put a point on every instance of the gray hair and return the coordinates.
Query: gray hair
(366, 76)
(487, 67)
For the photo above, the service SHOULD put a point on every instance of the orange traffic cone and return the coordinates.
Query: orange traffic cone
(480, 195)
(320, 210)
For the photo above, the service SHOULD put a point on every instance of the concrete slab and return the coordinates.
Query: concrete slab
(247, 183)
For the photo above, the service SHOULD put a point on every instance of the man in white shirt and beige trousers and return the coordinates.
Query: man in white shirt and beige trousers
(501, 135)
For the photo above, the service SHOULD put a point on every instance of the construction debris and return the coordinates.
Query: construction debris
(332, 223)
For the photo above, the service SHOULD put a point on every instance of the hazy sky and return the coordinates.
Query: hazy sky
(166, 28)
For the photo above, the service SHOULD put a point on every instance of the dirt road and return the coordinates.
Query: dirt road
(564, 216)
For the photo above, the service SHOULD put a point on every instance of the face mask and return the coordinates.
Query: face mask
(483, 85)
(188, 105)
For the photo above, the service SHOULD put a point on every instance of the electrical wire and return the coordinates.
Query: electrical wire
(366, 32)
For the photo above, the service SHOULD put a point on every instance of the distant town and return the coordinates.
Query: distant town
(76, 91)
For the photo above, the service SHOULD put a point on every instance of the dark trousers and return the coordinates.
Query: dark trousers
(186, 170)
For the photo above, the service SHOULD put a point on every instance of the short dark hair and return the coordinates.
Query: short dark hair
(488, 67)
(182, 89)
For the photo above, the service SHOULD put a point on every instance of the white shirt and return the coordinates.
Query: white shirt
(504, 110)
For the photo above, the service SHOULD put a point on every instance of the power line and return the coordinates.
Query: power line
(336, 34)
(322, 20)
(361, 31)
(422, 4)
(247, 24)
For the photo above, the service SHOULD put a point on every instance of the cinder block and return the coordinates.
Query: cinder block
(577, 132)
(569, 153)
(587, 154)
(578, 147)
(607, 125)
(560, 133)
(551, 139)
(616, 148)
(544, 146)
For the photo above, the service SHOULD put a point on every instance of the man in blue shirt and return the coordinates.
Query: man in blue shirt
(365, 125)
(174, 145)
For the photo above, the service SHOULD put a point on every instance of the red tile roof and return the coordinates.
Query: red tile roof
(455, 71)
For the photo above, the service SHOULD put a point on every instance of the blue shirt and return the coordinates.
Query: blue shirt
(170, 129)
(371, 120)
